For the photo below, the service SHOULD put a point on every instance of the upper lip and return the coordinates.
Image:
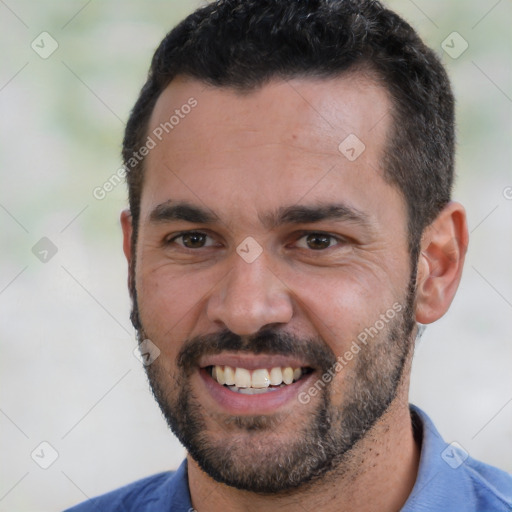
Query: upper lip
(252, 361)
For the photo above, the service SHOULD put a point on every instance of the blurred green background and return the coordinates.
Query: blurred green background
(69, 376)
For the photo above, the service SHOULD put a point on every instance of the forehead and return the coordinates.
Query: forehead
(274, 145)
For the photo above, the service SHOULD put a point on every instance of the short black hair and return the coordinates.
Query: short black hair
(243, 44)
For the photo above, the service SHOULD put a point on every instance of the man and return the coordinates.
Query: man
(290, 165)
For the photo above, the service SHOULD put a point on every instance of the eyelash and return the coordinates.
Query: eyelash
(169, 241)
(337, 239)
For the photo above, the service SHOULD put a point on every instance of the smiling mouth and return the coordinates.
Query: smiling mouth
(258, 381)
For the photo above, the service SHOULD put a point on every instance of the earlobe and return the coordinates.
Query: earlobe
(443, 249)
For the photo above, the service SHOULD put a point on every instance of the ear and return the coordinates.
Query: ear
(126, 224)
(443, 249)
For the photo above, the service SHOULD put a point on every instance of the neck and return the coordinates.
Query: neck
(379, 476)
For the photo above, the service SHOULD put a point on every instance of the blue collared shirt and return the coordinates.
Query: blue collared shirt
(448, 481)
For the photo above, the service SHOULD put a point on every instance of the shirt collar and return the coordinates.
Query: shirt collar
(439, 482)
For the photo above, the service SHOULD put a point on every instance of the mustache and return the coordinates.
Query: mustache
(271, 341)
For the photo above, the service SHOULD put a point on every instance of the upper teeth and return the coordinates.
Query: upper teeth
(260, 378)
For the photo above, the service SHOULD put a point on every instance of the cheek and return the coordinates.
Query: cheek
(341, 304)
(170, 301)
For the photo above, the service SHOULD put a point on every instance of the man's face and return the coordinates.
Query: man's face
(264, 248)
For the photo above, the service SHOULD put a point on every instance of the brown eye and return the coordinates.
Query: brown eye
(318, 241)
(194, 240)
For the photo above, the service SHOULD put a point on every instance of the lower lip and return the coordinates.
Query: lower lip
(263, 403)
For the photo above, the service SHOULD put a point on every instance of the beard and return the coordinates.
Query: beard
(248, 452)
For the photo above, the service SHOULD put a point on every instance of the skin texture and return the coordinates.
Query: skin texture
(243, 157)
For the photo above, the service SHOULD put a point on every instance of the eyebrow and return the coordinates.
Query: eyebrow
(316, 213)
(170, 210)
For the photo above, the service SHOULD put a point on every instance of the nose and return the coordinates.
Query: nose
(250, 298)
